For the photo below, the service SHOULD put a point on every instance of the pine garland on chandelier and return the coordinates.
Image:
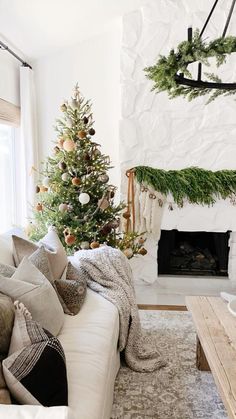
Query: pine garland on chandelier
(194, 184)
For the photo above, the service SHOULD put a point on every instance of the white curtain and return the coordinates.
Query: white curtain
(27, 146)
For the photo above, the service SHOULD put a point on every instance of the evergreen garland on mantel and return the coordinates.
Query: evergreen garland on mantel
(196, 185)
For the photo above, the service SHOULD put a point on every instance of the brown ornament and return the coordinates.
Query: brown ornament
(94, 245)
(85, 120)
(91, 131)
(39, 207)
(142, 251)
(69, 145)
(62, 165)
(126, 215)
(70, 239)
(81, 135)
(141, 240)
(76, 181)
(37, 189)
(43, 188)
(103, 178)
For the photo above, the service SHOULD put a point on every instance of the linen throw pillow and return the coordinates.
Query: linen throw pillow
(31, 287)
(4, 393)
(35, 370)
(55, 251)
(7, 314)
(72, 289)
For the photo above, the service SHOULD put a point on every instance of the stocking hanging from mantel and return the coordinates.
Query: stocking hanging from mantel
(145, 206)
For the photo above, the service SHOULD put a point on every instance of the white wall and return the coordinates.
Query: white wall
(95, 65)
(9, 78)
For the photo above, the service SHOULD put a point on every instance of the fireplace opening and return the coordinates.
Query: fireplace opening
(193, 253)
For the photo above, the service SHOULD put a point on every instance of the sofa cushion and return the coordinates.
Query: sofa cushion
(72, 289)
(31, 287)
(7, 270)
(55, 251)
(90, 344)
(7, 314)
(36, 372)
(4, 393)
(6, 251)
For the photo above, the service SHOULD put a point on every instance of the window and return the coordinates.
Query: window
(7, 177)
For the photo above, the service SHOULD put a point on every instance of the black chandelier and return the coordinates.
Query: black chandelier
(199, 83)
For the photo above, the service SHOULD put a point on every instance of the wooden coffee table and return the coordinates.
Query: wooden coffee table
(216, 345)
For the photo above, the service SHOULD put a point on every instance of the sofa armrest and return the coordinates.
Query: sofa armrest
(34, 412)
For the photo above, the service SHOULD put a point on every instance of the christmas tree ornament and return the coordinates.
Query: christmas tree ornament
(91, 131)
(128, 253)
(76, 181)
(94, 245)
(37, 189)
(65, 177)
(63, 207)
(84, 245)
(84, 198)
(39, 207)
(62, 165)
(69, 145)
(106, 229)
(141, 240)
(142, 251)
(103, 204)
(63, 107)
(70, 239)
(104, 178)
(70, 207)
(46, 181)
(56, 150)
(126, 215)
(96, 153)
(81, 135)
(43, 189)
(85, 120)
(60, 142)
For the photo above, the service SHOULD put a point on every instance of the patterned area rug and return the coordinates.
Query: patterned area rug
(178, 391)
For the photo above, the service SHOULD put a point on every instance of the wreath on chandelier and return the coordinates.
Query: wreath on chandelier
(171, 73)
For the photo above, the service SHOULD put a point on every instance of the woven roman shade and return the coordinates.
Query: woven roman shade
(9, 113)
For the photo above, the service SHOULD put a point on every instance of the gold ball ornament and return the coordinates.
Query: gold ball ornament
(39, 207)
(70, 239)
(103, 204)
(128, 253)
(76, 181)
(69, 145)
(81, 135)
(142, 251)
(94, 245)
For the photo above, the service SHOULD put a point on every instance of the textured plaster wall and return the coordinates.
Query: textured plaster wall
(167, 134)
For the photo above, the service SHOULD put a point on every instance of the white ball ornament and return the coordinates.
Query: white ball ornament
(69, 145)
(65, 177)
(46, 181)
(84, 245)
(84, 198)
(63, 207)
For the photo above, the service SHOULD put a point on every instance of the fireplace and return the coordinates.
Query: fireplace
(193, 253)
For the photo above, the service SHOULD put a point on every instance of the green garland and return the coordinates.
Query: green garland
(164, 71)
(198, 186)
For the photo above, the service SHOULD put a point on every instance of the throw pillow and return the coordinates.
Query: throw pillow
(7, 314)
(4, 393)
(31, 287)
(55, 251)
(7, 270)
(36, 372)
(72, 289)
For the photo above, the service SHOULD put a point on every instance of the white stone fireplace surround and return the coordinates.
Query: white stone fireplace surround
(174, 134)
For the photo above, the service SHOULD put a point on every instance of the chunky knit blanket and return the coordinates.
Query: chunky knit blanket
(107, 271)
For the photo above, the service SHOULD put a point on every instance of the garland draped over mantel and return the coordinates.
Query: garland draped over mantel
(149, 189)
(196, 185)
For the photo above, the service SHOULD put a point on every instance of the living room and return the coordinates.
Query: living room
(117, 217)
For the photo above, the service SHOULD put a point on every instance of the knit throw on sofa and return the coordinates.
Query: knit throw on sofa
(107, 271)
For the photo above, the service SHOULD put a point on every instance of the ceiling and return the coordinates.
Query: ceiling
(38, 27)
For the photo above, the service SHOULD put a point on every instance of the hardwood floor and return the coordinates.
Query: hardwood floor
(161, 307)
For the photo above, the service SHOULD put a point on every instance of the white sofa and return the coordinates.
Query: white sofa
(90, 341)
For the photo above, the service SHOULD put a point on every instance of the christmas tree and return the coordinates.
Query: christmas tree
(74, 193)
